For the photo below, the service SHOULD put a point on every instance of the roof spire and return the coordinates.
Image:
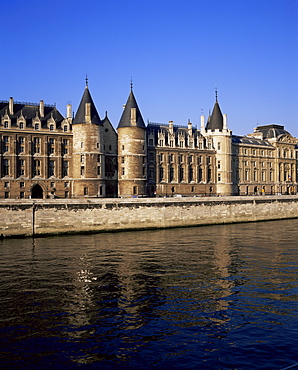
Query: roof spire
(86, 79)
(131, 84)
(216, 92)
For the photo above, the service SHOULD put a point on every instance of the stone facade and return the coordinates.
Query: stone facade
(46, 155)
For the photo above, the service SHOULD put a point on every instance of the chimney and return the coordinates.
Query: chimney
(202, 123)
(225, 121)
(41, 108)
(133, 116)
(171, 126)
(189, 125)
(68, 110)
(10, 106)
(87, 112)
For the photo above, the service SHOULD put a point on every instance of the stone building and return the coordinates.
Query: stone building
(44, 155)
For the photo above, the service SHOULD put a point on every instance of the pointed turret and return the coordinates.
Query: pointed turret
(216, 119)
(131, 116)
(87, 112)
(87, 147)
(221, 137)
(131, 150)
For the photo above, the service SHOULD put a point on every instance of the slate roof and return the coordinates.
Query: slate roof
(30, 111)
(155, 128)
(250, 141)
(216, 119)
(80, 114)
(125, 120)
(272, 131)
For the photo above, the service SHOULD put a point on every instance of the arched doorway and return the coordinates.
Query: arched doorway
(37, 192)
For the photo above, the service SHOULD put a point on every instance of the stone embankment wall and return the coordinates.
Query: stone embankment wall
(46, 217)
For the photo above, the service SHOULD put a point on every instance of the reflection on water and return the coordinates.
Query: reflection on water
(216, 297)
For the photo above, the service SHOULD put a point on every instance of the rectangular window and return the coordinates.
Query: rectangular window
(6, 194)
(64, 168)
(51, 168)
(6, 167)
(82, 170)
(98, 170)
(85, 191)
(22, 184)
(6, 144)
(22, 194)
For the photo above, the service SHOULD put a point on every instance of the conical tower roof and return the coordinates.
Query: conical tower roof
(216, 119)
(127, 120)
(80, 116)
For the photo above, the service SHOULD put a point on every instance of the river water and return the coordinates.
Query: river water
(214, 297)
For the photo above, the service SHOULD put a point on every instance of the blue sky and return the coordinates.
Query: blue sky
(176, 52)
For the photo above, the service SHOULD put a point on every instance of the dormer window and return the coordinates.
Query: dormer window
(51, 127)
(65, 128)
(6, 125)
(36, 126)
(21, 125)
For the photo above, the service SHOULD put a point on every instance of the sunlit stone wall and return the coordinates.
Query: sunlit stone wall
(83, 216)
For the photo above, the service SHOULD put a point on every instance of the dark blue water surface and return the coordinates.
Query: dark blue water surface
(217, 297)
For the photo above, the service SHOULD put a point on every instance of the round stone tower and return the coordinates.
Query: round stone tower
(217, 129)
(131, 151)
(87, 145)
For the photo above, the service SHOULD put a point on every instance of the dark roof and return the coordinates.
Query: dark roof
(80, 116)
(272, 131)
(249, 141)
(216, 119)
(30, 111)
(125, 120)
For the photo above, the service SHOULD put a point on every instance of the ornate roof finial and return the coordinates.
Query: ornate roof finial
(131, 84)
(216, 92)
(86, 79)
